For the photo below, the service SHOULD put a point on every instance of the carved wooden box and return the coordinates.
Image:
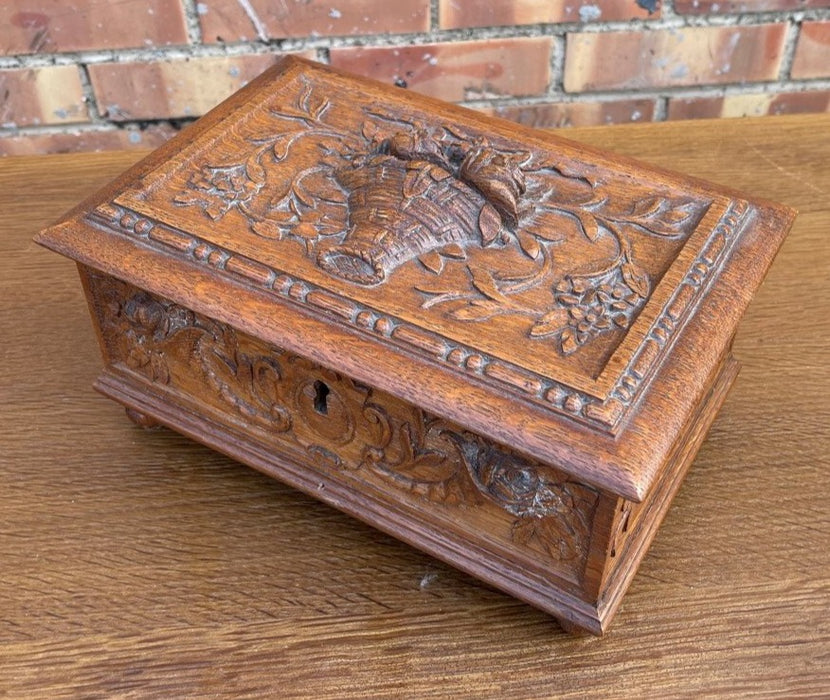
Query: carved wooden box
(499, 346)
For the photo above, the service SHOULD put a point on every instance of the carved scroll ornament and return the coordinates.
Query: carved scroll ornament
(342, 424)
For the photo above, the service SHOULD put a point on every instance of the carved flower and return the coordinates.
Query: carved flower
(145, 321)
(595, 308)
(591, 305)
(498, 176)
(553, 516)
(519, 487)
(145, 315)
(418, 144)
(218, 189)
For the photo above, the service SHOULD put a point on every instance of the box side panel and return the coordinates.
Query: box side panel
(634, 525)
(520, 525)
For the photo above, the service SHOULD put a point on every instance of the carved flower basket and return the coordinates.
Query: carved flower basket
(399, 210)
(501, 347)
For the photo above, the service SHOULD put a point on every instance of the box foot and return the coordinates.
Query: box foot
(142, 420)
(574, 629)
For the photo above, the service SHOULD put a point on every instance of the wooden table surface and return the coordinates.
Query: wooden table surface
(136, 564)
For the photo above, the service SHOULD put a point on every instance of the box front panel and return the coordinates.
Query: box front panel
(475, 495)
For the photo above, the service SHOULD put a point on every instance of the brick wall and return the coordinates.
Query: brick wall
(103, 74)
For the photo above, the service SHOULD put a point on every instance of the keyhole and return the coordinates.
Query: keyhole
(321, 394)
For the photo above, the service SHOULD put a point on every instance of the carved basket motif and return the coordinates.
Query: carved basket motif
(399, 210)
(398, 213)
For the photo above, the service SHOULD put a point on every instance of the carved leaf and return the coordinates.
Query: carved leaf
(254, 169)
(681, 214)
(571, 171)
(483, 281)
(267, 229)
(305, 96)
(489, 223)
(317, 186)
(553, 225)
(564, 189)
(662, 216)
(303, 197)
(568, 341)
(523, 530)
(647, 207)
(559, 544)
(317, 106)
(550, 234)
(568, 299)
(636, 278)
(550, 324)
(432, 261)
(529, 244)
(429, 289)
(371, 132)
(477, 310)
(188, 198)
(159, 369)
(502, 194)
(282, 217)
(590, 225)
(282, 144)
(416, 182)
(428, 467)
(216, 210)
(439, 296)
(308, 229)
(438, 173)
(325, 210)
(453, 250)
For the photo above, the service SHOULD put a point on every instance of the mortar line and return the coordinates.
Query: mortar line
(682, 91)
(89, 96)
(790, 45)
(661, 109)
(194, 26)
(557, 65)
(434, 16)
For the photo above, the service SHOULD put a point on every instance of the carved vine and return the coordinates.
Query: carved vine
(403, 190)
(351, 427)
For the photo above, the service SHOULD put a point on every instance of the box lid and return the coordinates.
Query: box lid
(571, 304)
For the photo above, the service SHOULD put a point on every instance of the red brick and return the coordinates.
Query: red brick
(562, 114)
(728, 7)
(228, 20)
(456, 14)
(457, 71)
(86, 140)
(695, 108)
(750, 105)
(51, 95)
(46, 26)
(171, 89)
(812, 54)
(668, 57)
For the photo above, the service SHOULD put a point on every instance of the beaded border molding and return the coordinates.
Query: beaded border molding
(606, 415)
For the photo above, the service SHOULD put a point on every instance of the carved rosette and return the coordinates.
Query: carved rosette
(341, 424)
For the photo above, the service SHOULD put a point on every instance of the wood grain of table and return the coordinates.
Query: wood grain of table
(140, 564)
